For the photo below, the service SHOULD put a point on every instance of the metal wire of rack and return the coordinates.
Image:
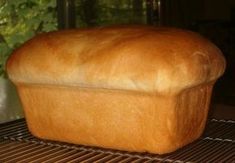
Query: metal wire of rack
(17, 145)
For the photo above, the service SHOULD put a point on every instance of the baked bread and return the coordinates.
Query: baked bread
(133, 88)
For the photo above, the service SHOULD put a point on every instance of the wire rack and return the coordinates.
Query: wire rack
(17, 145)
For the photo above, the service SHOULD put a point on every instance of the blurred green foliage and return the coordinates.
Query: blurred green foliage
(107, 12)
(22, 19)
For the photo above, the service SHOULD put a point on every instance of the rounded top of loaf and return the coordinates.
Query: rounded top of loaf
(139, 58)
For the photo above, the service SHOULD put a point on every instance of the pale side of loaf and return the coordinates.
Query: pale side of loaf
(133, 88)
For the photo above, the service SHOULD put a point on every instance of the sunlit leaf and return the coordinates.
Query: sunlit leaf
(20, 20)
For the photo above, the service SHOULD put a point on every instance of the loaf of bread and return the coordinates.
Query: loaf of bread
(133, 88)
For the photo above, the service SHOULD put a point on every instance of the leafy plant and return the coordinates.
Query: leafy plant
(106, 12)
(22, 19)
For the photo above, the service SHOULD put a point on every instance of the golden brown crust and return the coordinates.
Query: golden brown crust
(140, 58)
(133, 88)
(115, 119)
